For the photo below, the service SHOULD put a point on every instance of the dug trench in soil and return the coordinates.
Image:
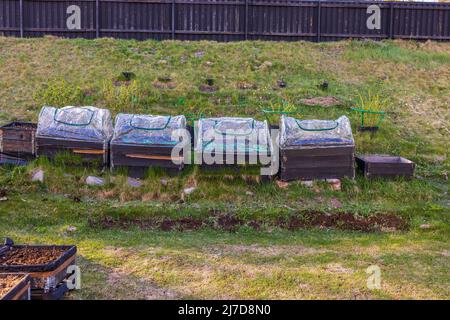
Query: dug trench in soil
(7, 282)
(30, 256)
(229, 222)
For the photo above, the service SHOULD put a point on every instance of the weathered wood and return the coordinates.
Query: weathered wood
(18, 139)
(385, 166)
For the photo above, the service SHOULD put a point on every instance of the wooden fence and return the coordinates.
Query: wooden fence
(225, 20)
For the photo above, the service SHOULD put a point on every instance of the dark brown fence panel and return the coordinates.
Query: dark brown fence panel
(416, 21)
(282, 20)
(49, 17)
(349, 20)
(10, 18)
(211, 20)
(136, 19)
(224, 20)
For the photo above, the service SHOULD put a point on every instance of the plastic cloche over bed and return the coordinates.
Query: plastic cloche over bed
(75, 123)
(297, 133)
(247, 135)
(147, 129)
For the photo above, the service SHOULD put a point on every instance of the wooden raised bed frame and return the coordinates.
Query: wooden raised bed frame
(385, 166)
(18, 139)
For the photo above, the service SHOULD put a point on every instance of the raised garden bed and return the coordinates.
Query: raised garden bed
(385, 166)
(6, 159)
(18, 139)
(14, 286)
(47, 265)
(236, 142)
(81, 131)
(144, 141)
(316, 149)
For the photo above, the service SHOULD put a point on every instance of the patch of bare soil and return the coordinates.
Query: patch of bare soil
(265, 251)
(338, 268)
(246, 86)
(345, 221)
(322, 101)
(30, 256)
(207, 88)
(164, 85)
(121, 279)
(7, 282)
(229, 222)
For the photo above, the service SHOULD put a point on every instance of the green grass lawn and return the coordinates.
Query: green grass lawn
(260, 257)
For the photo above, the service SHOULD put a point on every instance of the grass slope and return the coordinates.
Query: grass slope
(272, 262)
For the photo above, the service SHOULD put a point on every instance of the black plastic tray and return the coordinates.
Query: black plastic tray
(70, 251)
(14, 292)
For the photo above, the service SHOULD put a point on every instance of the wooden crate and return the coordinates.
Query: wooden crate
(385, 166)
(309, 163)
(18, 139)
(137, 159)
(89, 151)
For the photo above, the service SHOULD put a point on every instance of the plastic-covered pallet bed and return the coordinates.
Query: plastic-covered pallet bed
(14, 286)
(47, 277)
(316, 149)
(233, 142)
(143, 141)
(84, 131)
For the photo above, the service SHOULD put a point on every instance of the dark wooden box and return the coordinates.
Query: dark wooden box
(18, 139)
(312, 163)
(385, 166)
(89, 151)
(137, 159)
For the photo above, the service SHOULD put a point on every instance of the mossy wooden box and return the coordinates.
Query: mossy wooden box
(18, 139)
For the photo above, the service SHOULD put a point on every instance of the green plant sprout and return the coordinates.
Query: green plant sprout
(275, 111)
(372, 109)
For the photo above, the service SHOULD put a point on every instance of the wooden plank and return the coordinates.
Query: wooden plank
(154, 157)
(84, 151)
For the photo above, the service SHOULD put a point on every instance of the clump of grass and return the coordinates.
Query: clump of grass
(373, 107)
(122, 98)
(275, 110)
(59, 94)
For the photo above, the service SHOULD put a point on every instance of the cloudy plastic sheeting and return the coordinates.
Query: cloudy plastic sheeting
(147, 129)
(75, 123)
(296, 133)
(242, 135)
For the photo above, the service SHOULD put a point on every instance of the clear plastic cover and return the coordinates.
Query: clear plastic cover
(295, 133)
(244, 135)
(78, 123)
(147, 129)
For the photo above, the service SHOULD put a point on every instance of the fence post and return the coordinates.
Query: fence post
(246, 19)
(97, 18)
(173, 19)
(318, 20)
(21, 18)
(391, 22)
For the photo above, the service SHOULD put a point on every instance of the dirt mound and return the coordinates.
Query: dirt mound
(229, 222)
(322, 101)
(30, 256)
(344, 221)
(164, 85)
